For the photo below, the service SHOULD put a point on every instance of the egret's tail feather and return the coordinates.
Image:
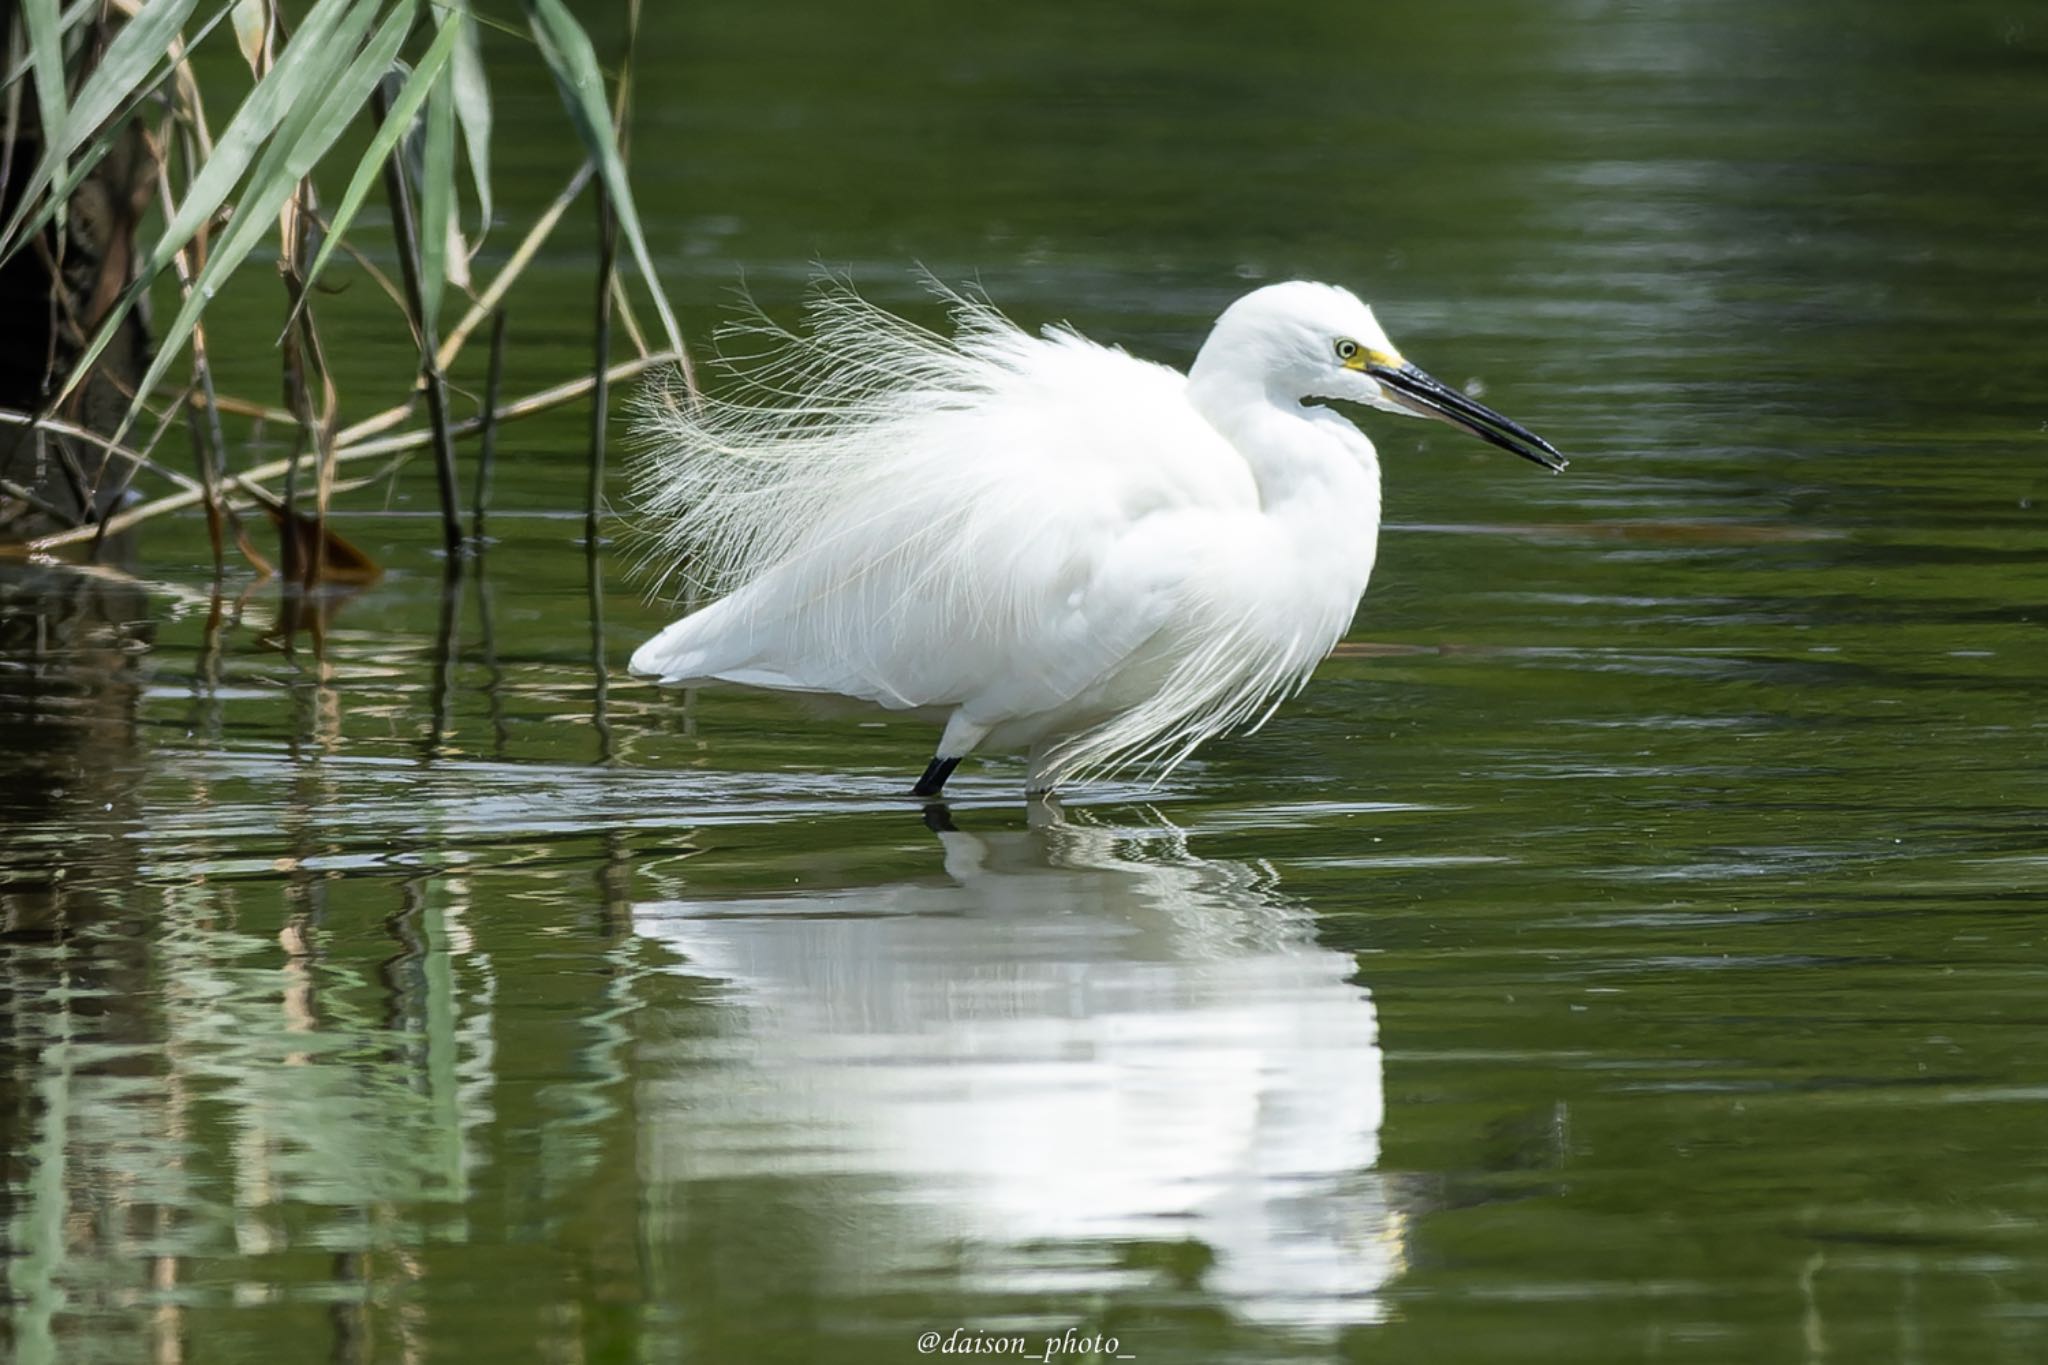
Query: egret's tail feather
(816, 422)
(681, 653)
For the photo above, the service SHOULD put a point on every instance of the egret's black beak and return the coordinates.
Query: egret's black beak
(1428, 397)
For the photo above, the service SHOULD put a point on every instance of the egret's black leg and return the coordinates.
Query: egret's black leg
(935, 774)
(939, 820)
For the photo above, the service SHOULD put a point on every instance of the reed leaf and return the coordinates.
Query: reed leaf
(472, 103)
(337, 89)
(404, 108)
(46, 55)
(271, 119)
(566, 48)
(437, 200)
(71, 19)
(252, 30)
(128, 69)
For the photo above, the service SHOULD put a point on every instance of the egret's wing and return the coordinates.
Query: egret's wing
(965, 532)
(1050, 603)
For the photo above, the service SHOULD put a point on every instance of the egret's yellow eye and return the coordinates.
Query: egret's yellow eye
(1347, 350)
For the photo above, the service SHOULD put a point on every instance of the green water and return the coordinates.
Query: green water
(1631, 946)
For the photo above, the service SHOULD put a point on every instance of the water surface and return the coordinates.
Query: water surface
(1630, 945)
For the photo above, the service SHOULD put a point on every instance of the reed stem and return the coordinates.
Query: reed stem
(406, 226)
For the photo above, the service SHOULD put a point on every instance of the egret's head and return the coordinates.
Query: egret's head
(1301, 340)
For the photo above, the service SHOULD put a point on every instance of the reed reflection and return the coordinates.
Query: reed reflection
(1082, 1037)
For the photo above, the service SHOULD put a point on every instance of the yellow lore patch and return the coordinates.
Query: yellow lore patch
(1366, 357)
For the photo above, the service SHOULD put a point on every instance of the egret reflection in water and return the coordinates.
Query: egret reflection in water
(1082, 1033)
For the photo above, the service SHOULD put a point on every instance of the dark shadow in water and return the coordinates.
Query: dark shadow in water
(600, 698)
(303, 616)
(69, 692)
(447, 647)
(487, 634)
(208, 717)
(1083, 1043)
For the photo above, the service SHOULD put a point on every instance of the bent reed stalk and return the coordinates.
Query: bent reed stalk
(402, 444)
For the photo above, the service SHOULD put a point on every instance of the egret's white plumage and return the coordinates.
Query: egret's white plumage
(1059, 546)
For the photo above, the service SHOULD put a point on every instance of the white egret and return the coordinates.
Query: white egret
(1048, 543)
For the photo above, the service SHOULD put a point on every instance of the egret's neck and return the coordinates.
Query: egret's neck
(1317, 474)
(1319, 486)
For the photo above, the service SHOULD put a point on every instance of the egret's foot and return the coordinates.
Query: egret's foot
(935, 774)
